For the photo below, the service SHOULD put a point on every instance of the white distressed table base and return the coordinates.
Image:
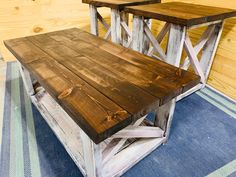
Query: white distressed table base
(178, 41)
(115, 155)
(82, 149)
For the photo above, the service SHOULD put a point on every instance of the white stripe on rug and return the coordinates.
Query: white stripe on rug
(220, 98)
(2, 95)
(16, 147)
(208, 95)
(33, 148)
(225, 170)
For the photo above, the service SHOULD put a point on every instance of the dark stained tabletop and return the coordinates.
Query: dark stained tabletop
(182, 13)
(102, 86)
(119, 4)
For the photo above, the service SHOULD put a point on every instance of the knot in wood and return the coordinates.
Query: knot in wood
(178, 72)
(108, 118)
(38, 29)
(116, 115)
(65, 93)
(158, 77)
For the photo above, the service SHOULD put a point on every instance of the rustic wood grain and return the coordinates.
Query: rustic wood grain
(182, 13)
(158, 81)
(103, 91)
(119, 4)
(137, 62)
(106, 81)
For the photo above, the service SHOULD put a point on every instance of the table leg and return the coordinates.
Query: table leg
(138, 33)
(26, 80)
(93, 20)
(124, 35)
(92, 156)
(115, 26)
(146, 42)
(175, 44)
(164, 116)
(210, 48)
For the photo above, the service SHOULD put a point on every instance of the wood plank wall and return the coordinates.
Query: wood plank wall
(26, 17)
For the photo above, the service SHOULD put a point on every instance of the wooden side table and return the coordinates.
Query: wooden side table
(118, 31)
(179, 18)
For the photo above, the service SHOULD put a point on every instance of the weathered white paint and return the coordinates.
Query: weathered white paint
(125, 31)
(210, 48)
(170, 113)
(94, 160)
(26, 79)
(131, 155)
(146, 41)
(115, 26)
(93, 19)
(160, 37)
(66, 130)
(164, 116)
(154, 42)
(137, 42)
(200, 44)
(189, 92)
(204, 24)
(193, 58)
(115, 145)
(92, 156)
(139, 132)
(175, 44)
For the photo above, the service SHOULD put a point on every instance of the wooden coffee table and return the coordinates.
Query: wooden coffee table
(95, 96)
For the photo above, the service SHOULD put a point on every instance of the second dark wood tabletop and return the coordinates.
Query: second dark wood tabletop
(186, 14)
(119, 4)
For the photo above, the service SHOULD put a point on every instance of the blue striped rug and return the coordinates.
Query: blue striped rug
(202, 141)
